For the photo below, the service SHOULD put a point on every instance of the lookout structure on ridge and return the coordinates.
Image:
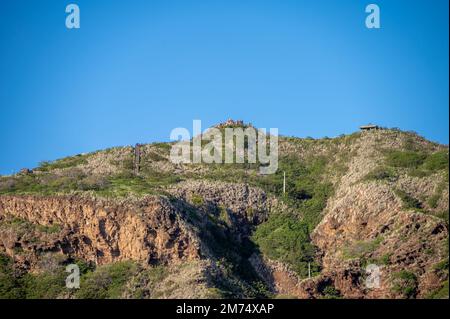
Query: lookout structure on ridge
(369, 127)
(232, 123)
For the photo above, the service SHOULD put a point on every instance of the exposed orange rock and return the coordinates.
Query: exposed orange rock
(104, 231)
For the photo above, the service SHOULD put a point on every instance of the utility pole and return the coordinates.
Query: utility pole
(284, 183)
(137, 158)
(309, 269)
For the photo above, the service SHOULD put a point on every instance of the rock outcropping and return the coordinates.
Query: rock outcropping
(149, 231)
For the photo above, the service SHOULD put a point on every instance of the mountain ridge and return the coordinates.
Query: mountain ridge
(351, 201)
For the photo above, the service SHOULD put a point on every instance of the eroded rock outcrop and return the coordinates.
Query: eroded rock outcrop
(366, 220)
(148, 231)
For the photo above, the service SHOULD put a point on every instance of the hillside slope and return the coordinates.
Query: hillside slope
(222, 230)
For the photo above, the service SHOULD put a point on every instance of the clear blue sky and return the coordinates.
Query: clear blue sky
(137, 69)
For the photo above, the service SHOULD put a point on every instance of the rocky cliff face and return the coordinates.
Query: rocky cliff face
(386, 210)
(368, 219)
(148, 231)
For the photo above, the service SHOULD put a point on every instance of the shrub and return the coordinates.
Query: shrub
(125, 184)
(405, 283)
(10, 287)
(441, 266)
(443, 215)
(44, 183)
(436, 161)
(197, 200)
(127, 164)
(153, 156)
(224, 217)
(7, 184)
(433, 200)
(418, 172)
(84, 266)
(407, 159)
(419, 163)
(361, 248)
(410, 144)
(386, 259)
(106, 281)
(441, 293)
(19, 225)
(162, 146)
(48, 285)
(311, 209)
(143, 285)
(22, 226)
(409, 202)
(380, 173)
(94, 182)
(49, 229)
(63, 163)
(330, 292)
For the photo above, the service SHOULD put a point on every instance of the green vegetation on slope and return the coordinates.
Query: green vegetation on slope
(49, 183)
(436, 161)
(405, 283)
(45, 285)
(441, 268)
(118, 185)
(285, 238)
(104, 282)
(360, 249)
(441, 293)
(10, 286)
(408, 201)
(407, 159)
(129, 184)
(63, 163)
(418, 162)
(307, 191)
(381, 173)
